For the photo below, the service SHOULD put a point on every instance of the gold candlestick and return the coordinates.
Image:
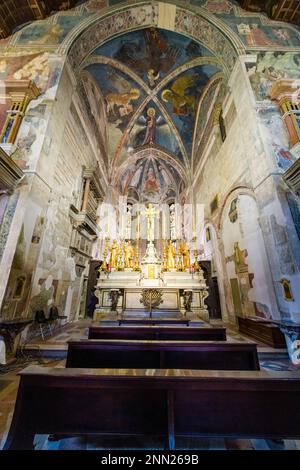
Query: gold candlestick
(105, 253)
(197, 265)
(179, 257)
(137, 260)
(165, 257)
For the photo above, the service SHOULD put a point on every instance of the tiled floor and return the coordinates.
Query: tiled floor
(9, 381)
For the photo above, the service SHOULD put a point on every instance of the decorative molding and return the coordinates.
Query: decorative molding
(10, 173)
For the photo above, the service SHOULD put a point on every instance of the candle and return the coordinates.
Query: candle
(163, 224)
(138, 226)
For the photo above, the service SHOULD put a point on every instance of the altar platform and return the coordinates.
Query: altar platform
(120, 295)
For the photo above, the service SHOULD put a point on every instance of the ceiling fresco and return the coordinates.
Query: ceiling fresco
(152, 53)
(150, 179)
(151, 82)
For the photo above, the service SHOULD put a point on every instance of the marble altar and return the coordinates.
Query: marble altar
(130, 285)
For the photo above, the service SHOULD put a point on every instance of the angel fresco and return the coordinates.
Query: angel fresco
(149, 55)
(120, 103)
(181, 96)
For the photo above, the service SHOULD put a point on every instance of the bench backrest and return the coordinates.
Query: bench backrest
(162, 354)
(167, 403)
(158, 322)
(162, 333)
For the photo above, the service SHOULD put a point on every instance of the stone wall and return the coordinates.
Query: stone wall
(43, 269)
(253, 244)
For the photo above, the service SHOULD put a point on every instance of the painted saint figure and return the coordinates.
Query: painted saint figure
(151, 183)
(151, 127)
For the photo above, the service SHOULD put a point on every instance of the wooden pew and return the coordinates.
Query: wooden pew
(162, 355)
(262, 330)
(167, 403)
(162, 333)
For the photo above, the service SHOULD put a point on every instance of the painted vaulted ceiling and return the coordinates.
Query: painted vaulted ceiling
(151, 81)
(15, 13)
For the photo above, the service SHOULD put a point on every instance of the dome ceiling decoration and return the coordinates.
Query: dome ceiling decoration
(149, 177)
(151, 81)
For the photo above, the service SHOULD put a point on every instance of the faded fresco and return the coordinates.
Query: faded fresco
(245, 258)
(272, 66)
(255, 30)
(276, 138)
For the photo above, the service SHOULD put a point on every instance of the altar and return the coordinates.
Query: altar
(168, 284)
(120, 295)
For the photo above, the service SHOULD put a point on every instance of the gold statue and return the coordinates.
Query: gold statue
(171, 255)
(114, 254)
(185, 254)
(128, 254)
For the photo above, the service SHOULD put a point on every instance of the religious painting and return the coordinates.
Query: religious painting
(214, 204)
(149, 180)
(152, 128)
(284, 157)
(270, 67)
(254, 29)
(19, 287)
(46, 33)
(152, 53)
(233, 212)
(181, 98)
(95, 5)
(255, 36)
(121, 93)
(151, 184)
(276, 139)
(36, 67)
(217, 6)
(243, 282)
(287, 290)
(38, 230)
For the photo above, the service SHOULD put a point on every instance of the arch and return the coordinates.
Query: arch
(217, 261)
(212, 84)
(236, 191)
(157, 154)
(201, 26)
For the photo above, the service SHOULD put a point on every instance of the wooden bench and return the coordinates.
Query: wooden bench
(163, 333)
(262, 330)
(148, 321)
(162, 355)
(167, 403)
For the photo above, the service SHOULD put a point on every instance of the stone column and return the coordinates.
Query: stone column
(286, 93)
(86, 195)
(87, 176)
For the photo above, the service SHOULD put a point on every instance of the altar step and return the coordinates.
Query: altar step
(156, 313)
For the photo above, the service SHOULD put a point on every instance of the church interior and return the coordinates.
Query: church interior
(149, 225)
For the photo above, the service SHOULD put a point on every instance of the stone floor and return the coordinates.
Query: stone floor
(37, 351)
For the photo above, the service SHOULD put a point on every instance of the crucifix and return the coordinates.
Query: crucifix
(150, 213)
